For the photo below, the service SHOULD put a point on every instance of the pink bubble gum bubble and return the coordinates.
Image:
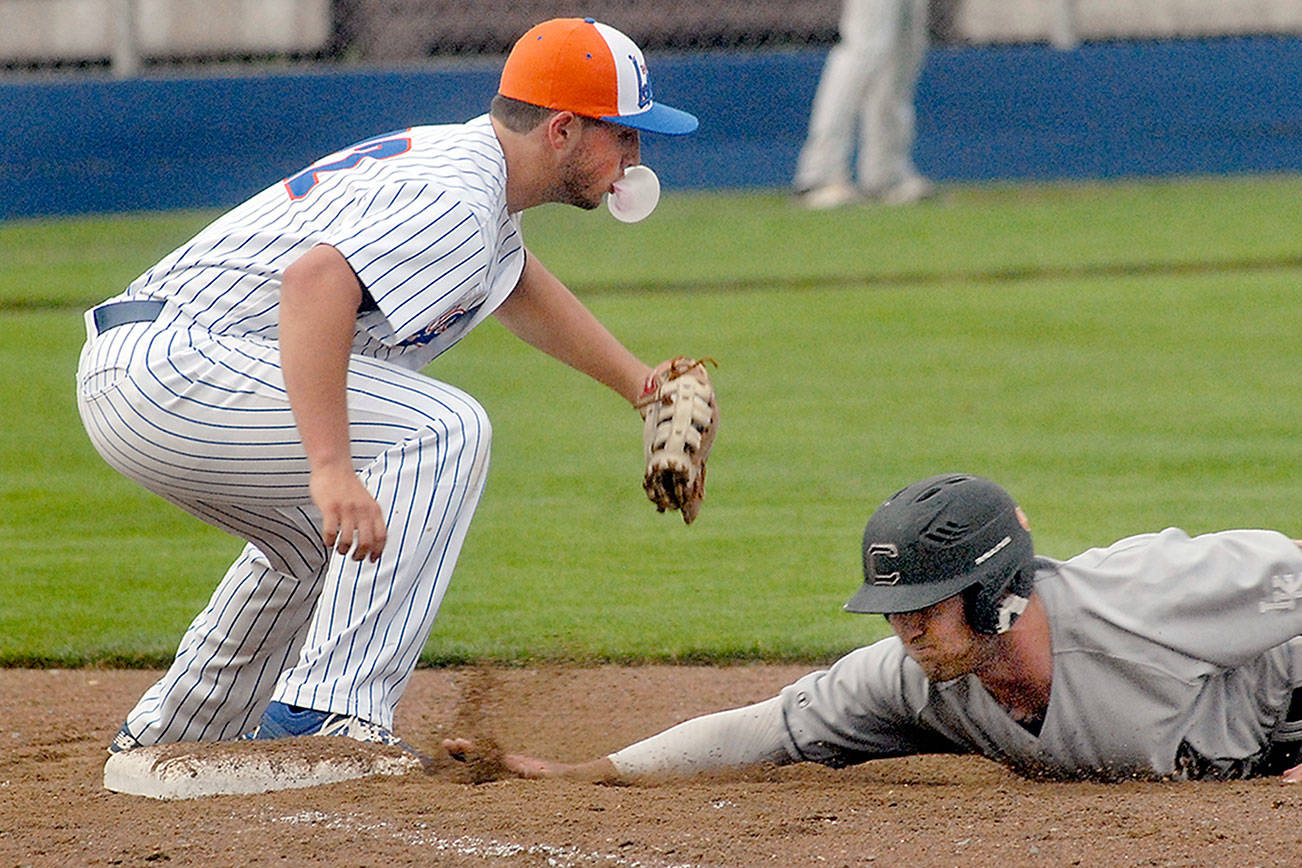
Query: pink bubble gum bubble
(635, 196)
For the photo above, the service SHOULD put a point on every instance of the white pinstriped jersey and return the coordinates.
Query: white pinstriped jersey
(420, 214)
(191, 404)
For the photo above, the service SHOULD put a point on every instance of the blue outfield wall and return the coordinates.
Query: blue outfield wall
(984, 113)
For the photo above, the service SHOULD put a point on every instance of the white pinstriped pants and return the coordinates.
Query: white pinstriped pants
(204, 422)
(867, 88)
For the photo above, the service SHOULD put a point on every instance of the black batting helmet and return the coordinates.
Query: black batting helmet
(943, 536)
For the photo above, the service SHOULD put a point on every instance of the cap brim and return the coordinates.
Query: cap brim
(659, 118)
(893, 599)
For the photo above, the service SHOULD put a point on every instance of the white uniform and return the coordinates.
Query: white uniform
(190, 402)
(1172, 656)
(865, 96)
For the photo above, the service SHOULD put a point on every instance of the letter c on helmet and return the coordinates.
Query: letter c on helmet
(878, 551)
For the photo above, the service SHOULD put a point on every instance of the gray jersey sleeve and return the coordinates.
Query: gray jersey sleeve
(863, 707)
(867, 705)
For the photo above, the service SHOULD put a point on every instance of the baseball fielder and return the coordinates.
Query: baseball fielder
(264, 377)
(1158, 656)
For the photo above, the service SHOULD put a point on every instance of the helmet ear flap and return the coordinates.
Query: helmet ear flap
(993, 607)
(976, 610)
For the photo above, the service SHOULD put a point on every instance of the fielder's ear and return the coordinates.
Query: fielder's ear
(562, 130)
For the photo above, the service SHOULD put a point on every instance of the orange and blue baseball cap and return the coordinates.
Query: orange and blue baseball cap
(591, 69)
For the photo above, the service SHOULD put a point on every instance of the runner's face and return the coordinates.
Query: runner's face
(939, 639)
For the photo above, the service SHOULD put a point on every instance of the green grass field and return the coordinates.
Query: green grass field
(1123, 357)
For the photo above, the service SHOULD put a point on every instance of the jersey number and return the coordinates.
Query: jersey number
(375, 149)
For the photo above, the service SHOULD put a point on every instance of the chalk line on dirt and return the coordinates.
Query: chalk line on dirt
(468, 845)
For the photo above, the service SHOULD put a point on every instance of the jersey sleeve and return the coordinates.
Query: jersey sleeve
(866, 706)
(420, 253)
(1223, 598)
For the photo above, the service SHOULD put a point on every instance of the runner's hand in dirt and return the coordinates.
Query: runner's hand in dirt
(467, 750)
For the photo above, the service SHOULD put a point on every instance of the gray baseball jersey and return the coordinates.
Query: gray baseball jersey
(180, 389)
(1171, 656)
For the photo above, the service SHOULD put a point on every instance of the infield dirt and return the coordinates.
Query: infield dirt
(921, 811)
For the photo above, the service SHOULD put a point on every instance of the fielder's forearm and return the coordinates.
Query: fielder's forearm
(735, 739)
(543, 313)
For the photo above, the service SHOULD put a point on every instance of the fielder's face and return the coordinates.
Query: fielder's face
(939, 639)
(604, 151)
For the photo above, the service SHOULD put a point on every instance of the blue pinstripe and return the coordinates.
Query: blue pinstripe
(193, 407)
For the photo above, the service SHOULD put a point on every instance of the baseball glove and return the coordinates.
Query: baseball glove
(680, 418)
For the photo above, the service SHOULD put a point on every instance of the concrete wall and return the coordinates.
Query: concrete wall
(986, 21)
(396, 30)
(984, 113)
(79, 30)
(44, 31)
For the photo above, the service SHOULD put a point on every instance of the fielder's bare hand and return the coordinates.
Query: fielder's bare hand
(350, 517)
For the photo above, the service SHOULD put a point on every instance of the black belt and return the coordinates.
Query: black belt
(1285, 747)
(1294, 712)
(111, 315)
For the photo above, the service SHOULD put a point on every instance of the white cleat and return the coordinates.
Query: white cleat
(828, 196)
(911, 190)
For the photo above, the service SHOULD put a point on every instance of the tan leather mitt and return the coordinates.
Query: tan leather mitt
(680, 418)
